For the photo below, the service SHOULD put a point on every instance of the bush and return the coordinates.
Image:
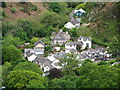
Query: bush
(82, 5)
(34, 8)
(102, 63)
(4, 5)
(21, 9)
(13, 10)
(112, 61)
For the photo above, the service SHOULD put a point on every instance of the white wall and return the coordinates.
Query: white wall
(70, 46)
(51, 58)
(39, 53)
(32, 57)
(69, 25)
(85, 43)
(46, 69)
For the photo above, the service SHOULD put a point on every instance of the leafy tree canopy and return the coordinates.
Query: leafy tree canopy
(28, 66)
(24, 79)
(11, 53)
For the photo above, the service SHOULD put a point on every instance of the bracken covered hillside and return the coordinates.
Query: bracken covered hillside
(103, 19)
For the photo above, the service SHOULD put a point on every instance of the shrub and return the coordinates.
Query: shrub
(13, 10)
(34, 8)
(102, 63)
(80, 6)
(112, 61)
(4, 5)
(21, 9)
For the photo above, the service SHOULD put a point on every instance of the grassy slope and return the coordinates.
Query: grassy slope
(13, 17)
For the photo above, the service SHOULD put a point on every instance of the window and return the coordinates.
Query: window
(87, 44)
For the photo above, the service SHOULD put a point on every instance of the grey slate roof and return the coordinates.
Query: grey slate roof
(48, 63)
(74, 21)
(74, 43)
(61, 36)
(28, 53)
(84, 38)
(40, 59)
(36, 43)
(26, 50)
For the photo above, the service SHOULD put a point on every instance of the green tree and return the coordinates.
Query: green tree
(27, 27)
(41, 32)
(4, 5)
(93, 76)
(34, 39)
(16, 62)
(69, 63)
(73, 4)
(114, 47)
(24, 79)
(7, 27)
(87, 61)
(55, 73)
(21, 34)
(74, 32)
(10, 40)
(55, 6)
(48, 49)
(53, 19)
(82, 5)
(11, 53)
(102, 63)
(65, 82)
(6, 68)
(28, 66)
(36, 84)
(50, 29)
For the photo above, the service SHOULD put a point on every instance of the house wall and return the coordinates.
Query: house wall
(46, 68)
(39, 46)
(32, 57)
(70, 46)
(51, 58)
(69, 25)
(56, 61)
(37, 53)
(85, 43)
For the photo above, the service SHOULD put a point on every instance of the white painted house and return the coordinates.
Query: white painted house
(86, 42)
(39, 47)
(80, 10)
(30, 55)
(72, 24)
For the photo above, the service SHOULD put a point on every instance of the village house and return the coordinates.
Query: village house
(60, 38)
(72, 24)
(86, 42)
(39, 47)
(29, 54)
(73, 45)
(75, 19)
(38, 50)
(82, 43)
